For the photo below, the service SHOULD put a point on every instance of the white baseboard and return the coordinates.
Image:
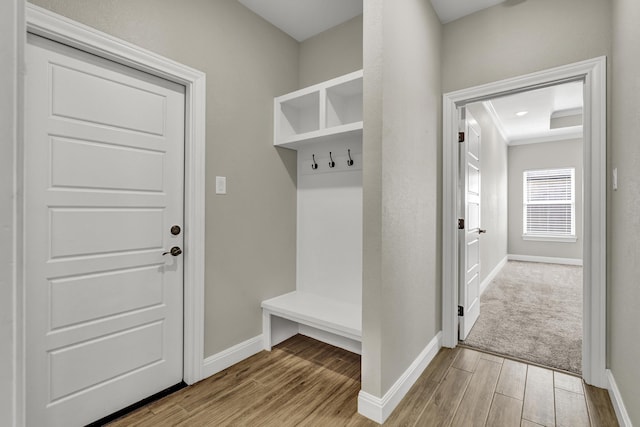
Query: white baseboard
(220, 361)
(379, 409)
(616, 399)
(493, 274)
(546, 259)
(329, 338)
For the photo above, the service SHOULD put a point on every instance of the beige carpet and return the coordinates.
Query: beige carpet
(533, 311)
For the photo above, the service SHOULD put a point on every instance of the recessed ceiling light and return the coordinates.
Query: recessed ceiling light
(522, 113)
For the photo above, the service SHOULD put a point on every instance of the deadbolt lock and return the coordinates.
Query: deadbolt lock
(175, 230)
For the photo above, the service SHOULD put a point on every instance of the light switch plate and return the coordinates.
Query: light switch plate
(221, 185)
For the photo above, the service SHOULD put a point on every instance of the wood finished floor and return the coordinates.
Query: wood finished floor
(308, 383)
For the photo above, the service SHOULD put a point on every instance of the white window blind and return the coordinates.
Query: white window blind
(549, 202)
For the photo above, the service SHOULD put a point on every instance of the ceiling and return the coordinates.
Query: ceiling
(302, 19)
(564, 102)
(450, 10)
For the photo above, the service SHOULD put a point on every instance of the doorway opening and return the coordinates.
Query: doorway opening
(521, 248)
(591, 76)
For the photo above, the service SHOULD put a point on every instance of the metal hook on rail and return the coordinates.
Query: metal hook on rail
(350, 161)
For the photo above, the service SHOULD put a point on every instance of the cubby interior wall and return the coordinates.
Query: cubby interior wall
(329, 227)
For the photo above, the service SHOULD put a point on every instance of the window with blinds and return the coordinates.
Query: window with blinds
(549, 203)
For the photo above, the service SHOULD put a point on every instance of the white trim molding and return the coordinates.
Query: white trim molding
(492, 275)
(47, 24)
(616, 399)
(379, 409)
(557, 239)
(593, 73)
(572, 132)
(229, 357)
(545, 259)
(491, 110)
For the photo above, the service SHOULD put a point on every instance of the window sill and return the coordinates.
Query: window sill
(561, 239)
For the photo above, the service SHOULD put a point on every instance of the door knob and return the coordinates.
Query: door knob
(175, 251)
(481, 231)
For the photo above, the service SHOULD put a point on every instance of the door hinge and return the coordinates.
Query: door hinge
(460, 311)
(460, 223)
(460, 136)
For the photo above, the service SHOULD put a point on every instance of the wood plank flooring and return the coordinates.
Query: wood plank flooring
(303, 382)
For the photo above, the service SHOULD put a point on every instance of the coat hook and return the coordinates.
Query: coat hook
(350, 161)
(314, 166)
(331, 162)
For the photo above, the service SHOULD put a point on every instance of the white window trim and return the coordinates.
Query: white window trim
(549, 237)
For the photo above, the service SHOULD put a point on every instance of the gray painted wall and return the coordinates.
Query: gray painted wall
(8, 143)
(515, 38)
(372, 198)
(557, 154)
(330, 54)
(624, 206)
(493, 192)
(401, 182)
(250, 232)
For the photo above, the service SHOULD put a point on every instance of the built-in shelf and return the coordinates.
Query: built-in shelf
(299, 115)
(325, 135)
(326, 314)
(324, 124)
(320, 112)
(344, 103)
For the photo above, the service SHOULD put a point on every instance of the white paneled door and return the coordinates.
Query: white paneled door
(469, 240)
(103, 186)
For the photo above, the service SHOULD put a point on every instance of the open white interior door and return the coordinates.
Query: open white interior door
(469, 227)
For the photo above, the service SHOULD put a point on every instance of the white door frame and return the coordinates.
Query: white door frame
(593, 72)
(47, 24)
